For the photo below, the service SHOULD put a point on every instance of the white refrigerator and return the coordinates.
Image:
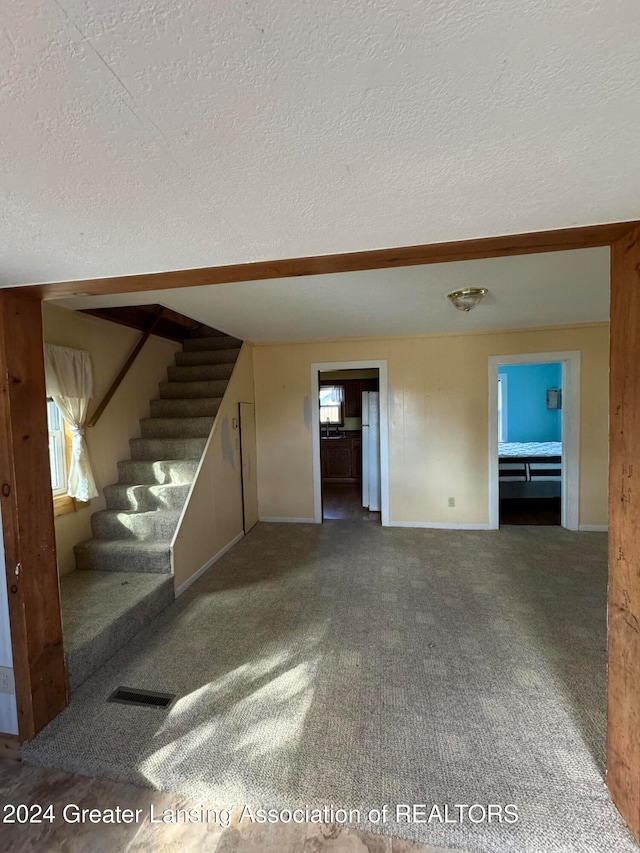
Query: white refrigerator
(371, 450)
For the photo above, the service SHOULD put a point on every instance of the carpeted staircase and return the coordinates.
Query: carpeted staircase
(126, 578)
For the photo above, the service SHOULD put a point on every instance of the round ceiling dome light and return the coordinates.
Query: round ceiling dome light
(467, 298)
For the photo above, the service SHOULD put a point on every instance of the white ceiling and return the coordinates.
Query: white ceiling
(524, 292)
(146, 136)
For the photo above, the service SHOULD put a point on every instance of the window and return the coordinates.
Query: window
(332, 405)
(57, 449)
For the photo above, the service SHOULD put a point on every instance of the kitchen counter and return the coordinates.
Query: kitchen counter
(349, 433)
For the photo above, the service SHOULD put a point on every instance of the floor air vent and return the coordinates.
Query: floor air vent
(145, 698)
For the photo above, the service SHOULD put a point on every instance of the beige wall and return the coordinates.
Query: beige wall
(108, 442)
(438, 420)
(212, 517)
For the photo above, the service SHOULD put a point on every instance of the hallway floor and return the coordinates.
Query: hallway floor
(357, 665)
(344, 501)
(545, 511)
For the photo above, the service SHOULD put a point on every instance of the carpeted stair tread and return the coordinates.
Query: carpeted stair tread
(101, 611)
(124, 555)
(132, 536)
(159, 471)
(166, 448)
(217, 343)
(189, 390)
(196, 408)
(176, 427)
(199, 372)
(148, 525)
(220, 356)
(144, 496)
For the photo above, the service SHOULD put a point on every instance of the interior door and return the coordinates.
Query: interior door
(374, 452)
(365, 449)
(248, 460)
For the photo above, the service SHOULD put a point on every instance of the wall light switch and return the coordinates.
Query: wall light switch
(452, 501)
(7, 683)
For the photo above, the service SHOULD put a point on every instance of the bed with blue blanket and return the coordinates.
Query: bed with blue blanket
(530, 469)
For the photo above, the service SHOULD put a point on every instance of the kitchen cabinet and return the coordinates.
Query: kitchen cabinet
(352, 399)
(356, 458)
(341, 459)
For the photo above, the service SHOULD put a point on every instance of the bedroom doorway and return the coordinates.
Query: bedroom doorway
(530, 443)
(533, 439)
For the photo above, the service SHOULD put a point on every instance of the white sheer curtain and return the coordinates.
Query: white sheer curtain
(70, 383)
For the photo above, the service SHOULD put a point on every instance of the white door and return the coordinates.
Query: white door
(371, 495)
(374, 452)
(248, 457)
(365, 449)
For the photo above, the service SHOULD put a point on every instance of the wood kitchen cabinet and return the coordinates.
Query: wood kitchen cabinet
(352, 399)
(368, 385)
(356, 459)
(341, 459)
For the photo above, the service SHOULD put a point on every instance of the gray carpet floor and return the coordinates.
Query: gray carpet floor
(356, 665)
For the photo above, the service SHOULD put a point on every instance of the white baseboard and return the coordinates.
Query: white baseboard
(440, 525)
(194, 577)
(288, 520)
(594, 528)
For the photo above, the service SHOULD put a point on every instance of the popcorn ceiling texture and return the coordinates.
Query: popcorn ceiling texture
(154, 135)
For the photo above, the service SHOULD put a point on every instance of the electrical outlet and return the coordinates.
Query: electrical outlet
(7, 684)
(452, 501)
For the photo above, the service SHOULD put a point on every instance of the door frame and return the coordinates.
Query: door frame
(570, 361)
(318, 367)
(242, 403)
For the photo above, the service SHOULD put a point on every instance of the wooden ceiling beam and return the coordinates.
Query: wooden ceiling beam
(583, 237)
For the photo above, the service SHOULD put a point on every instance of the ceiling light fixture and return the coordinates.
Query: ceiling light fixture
(467, 298)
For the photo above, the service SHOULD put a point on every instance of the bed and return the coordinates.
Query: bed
(530, 469)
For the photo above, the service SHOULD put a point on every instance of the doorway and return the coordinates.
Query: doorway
(349, 417)
(349, 424)
(248, 453)
(534, 421)
(530, 443)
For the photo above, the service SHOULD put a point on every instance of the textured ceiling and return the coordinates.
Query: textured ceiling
(524, 292)
(153, 135)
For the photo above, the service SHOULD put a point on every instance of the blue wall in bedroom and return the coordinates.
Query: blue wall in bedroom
(528, 418)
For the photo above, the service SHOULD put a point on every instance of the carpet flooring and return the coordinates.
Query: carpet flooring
(354, 665)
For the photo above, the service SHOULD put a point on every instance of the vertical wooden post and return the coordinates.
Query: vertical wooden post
(623, 721)
(27, 516)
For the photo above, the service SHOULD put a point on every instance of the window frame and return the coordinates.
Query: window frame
(63, 503)
(58, 463)
(339, 406)
(503, 417)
